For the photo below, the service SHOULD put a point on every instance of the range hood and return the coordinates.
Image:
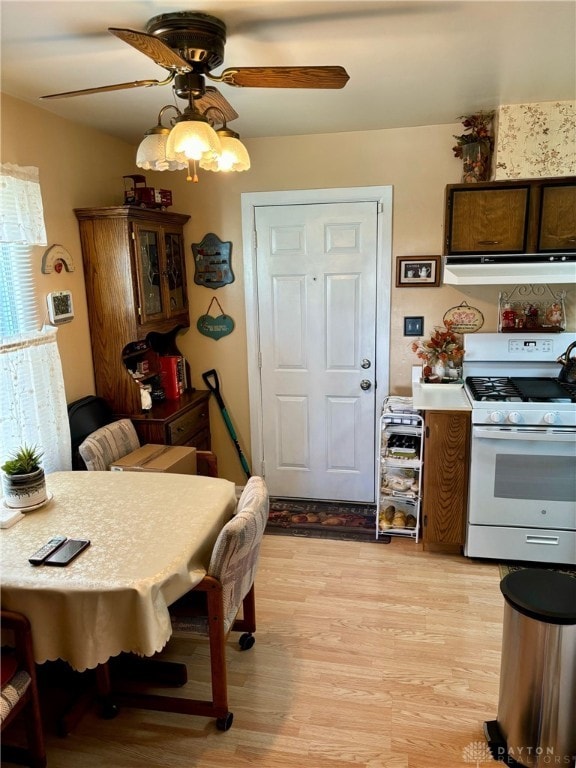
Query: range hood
(505, 268)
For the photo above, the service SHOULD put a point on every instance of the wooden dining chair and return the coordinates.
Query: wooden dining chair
(19, 696)
(109, 443)
(211, 608)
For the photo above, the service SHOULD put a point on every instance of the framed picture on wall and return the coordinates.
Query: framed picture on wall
(414, 271)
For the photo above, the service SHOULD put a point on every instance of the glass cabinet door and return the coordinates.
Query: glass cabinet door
(175, 273)
(149, 272)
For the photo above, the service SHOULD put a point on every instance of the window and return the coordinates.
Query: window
(18, 311)
(33, 406)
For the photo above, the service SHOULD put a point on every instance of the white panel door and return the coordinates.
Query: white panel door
(316, 280)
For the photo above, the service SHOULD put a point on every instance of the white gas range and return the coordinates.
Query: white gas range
(522, 499)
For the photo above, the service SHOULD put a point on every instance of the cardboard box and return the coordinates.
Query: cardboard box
(158, 458)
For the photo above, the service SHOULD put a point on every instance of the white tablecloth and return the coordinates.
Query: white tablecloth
(151, 538)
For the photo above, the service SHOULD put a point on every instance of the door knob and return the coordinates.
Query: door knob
(365, 384)
(365, 363)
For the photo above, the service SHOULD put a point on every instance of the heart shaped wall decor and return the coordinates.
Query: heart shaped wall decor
(215, 327)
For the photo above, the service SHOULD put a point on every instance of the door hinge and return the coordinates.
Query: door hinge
(139, 311)
(380, 208)
(262, 468)
(133, 235)
(254, 240)
(259, 359)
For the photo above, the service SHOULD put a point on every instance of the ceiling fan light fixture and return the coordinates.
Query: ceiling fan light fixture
(151, 153)
(192, 136)
(233, 156)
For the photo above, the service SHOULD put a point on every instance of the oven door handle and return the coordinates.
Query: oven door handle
(541, 434)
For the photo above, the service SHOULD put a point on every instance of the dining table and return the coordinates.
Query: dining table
(151, 536)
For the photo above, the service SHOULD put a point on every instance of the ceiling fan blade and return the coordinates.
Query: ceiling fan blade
(106, 88)
(284, 77)
(152, 47)
(213, 98)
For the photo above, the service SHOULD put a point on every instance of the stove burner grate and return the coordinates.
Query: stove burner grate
(520, 389)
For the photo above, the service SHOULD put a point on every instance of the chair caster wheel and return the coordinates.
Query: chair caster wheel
(224, 723)
(109, 711)
(246, 641)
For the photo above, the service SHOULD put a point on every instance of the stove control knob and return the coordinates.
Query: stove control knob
(551, 417)
(514, 417)
(496, 417)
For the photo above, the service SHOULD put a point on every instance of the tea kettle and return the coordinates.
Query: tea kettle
(568, 372)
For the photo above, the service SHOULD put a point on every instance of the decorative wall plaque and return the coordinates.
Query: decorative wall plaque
(215, 327)
(55, 258)
(212, 262)
(464, 319)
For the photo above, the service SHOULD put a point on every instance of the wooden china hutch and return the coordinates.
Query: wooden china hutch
(135, 273)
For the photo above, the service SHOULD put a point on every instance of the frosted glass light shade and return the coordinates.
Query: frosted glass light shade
(192, 138)
(151, 154)
(233, 157)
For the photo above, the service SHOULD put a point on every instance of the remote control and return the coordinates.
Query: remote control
(45, 551)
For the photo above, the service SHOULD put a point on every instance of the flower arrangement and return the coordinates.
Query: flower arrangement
(478, 130)
(443, 347)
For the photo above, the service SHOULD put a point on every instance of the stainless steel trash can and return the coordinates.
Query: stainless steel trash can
(536, 723)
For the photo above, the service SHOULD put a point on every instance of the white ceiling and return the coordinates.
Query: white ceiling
(410, 63)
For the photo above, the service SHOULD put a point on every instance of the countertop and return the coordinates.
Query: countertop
(439, 398)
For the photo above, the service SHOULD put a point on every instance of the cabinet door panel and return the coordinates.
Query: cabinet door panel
(176, 273)
(558, 219)
(149, 268)
(488, 220)
(446, 454)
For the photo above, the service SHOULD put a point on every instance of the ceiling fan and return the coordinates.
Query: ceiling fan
(190, 45)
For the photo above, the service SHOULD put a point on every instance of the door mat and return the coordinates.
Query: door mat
(506, 568)
(322, 519)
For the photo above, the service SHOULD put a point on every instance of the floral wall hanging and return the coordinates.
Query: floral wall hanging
(475, 146)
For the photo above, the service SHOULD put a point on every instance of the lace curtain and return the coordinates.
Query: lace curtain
(33, 406)
(21, 211)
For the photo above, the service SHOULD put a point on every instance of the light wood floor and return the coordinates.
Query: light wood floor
(368, 655)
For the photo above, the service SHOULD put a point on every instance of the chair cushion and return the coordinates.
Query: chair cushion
(107, 444)
(13, 692)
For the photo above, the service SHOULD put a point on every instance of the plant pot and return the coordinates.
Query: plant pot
(475, 162)
(21, 491)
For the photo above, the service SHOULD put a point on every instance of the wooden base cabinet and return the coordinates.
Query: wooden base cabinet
(445, 483)
(184, 421)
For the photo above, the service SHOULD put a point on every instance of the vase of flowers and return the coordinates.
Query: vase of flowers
(475, 146)
(441, 354)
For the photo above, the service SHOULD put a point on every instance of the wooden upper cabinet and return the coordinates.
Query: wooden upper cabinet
(529, 216)
(557, 218)
(488, 220)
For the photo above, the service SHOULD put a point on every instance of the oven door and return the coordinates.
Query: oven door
(523, 477)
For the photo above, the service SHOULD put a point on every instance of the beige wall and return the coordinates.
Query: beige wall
(79, 167)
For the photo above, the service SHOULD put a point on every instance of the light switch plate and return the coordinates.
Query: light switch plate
(413, 326)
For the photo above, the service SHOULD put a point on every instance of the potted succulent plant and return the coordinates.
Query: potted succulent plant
(23, 479)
